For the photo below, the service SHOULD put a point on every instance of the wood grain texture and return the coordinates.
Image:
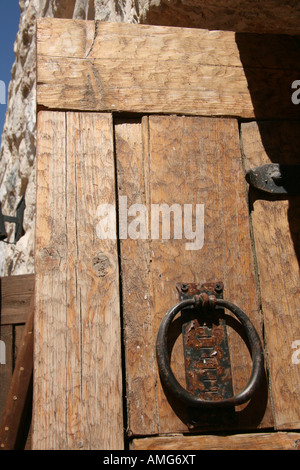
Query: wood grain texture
(184, 160)
(139, 68)
(77, 386)
(135, 266)
(16, 415)
(16, 293)
(276, 234)
(263, 441)
(6, 370)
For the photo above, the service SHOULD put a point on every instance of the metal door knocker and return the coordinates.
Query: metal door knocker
(203, 304)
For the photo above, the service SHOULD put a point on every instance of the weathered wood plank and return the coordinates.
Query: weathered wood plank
(15, 422)
(139, 68)
(135, 265)
(184, 160)
(6, 370)
(16, 293)
(189, 163)
(25, 440)
(263, 441)
(81, 39)
(102, 40)
(78, 386)
(276, 234)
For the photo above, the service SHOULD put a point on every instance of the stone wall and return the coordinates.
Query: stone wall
(17, 157)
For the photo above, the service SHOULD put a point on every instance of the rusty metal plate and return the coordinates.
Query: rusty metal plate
(206, 355)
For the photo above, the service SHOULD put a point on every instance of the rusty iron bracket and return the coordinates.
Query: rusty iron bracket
(275, 178)
(206, 355)
(18, 221)
(207, 361)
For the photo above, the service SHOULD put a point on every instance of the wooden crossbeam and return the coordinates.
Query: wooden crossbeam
(98, 66)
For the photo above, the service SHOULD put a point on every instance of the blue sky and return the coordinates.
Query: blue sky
(9, 25)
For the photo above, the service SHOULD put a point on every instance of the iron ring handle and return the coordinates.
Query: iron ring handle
(171, 382)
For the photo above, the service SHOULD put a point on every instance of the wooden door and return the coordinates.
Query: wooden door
(105, 276)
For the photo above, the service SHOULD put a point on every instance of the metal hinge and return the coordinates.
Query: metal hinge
(18, 221)
(275, 178)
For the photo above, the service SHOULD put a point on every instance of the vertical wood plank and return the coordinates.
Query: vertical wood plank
(198, 160)
(77, 386)
(6, 370)
(15, 422)
(276, 234)
(186, 161)
(135, 266)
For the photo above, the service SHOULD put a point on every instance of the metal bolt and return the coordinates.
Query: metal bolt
(219, 287)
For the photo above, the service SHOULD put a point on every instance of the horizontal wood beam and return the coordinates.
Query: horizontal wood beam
(97, 66)
(255, 441)
(16, 294)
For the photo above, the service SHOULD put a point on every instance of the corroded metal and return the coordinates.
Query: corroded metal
(206, 355)
(18, 221)
(275, 178)
(205, 303)
(206, 352)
